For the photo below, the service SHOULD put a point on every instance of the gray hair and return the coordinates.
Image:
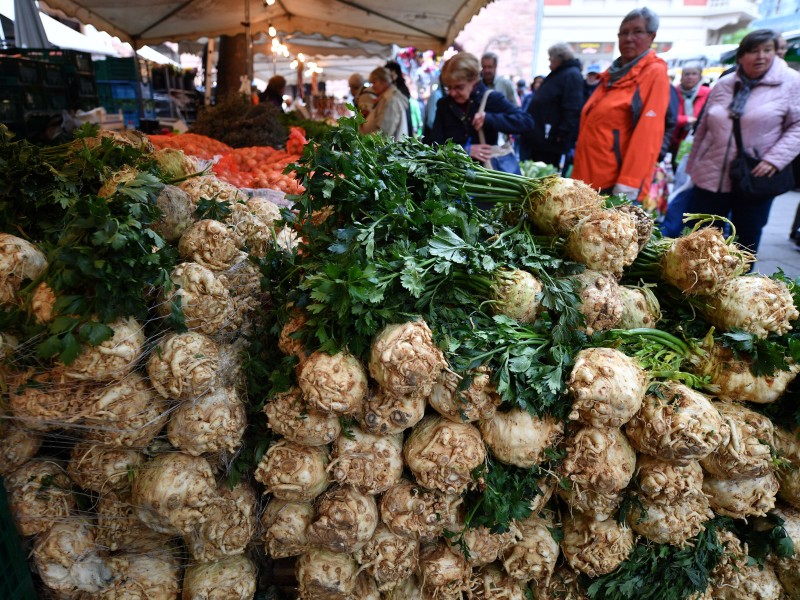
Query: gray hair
(380, 74)
(490, 56)
(650, 18)
(561, 51)
(693, 64)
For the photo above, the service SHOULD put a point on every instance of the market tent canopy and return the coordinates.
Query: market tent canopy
(419, 23)
(60, 35)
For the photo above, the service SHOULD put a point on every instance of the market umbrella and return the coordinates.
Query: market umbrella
(28, 28)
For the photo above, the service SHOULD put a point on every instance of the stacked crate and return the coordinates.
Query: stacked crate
(118, 88)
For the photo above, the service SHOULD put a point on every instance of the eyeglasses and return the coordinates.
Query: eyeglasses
(634, 33)
(458, 87)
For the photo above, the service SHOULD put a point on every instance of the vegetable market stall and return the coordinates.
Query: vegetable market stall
(414, 397)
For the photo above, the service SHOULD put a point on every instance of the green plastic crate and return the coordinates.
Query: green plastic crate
(15, 576)
(116, 68)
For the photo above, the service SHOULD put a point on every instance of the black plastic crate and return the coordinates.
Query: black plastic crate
(72, 61)
(52, 75)
(10, 107)
(16, 582)
(123, 69)
(16, 71)
(34, 98)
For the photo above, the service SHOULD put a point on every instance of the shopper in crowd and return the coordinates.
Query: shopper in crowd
(522, 90)
(693, 96)
(493, 81)
(399, 81)
(429, 114)
(762, 94)
(364, 98)
(389, 113)
(276, 87)
(457, 116)
(622, 123)
(555, 109)
(591, 80)
(783, 47)
(535, 85)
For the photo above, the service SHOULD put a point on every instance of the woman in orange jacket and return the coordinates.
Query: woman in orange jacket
(622, 123)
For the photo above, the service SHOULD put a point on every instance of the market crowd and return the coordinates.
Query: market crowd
(622, 130)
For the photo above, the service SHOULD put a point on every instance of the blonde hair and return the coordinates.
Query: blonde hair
(461, 67)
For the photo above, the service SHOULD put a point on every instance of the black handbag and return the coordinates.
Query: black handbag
(744, 183)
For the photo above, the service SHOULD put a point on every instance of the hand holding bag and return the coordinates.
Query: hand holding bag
(503, 158)
(743, 181)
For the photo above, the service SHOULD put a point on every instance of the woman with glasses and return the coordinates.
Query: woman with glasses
(762, 96)
(457, 115)
(622, 123)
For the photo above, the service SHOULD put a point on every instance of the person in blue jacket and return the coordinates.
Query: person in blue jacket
(457, 116)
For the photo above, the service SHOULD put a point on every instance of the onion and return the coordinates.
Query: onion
(479, 400)
(387, 415)
(17, 446)
(177, 213)
(19, 261)
(285, 526)
(742, 498)
(565, 202)
(746, 451)
(213, 422)
(676, 423)
(599, 459)
(404, 359)
(595, 547)
(533, 555)
(734, 378)
(112, 359)
(372, 463)
(67, 560)
(441, 569)
(517, 295)
(390, 558)
(443, 454)
(607, 386)
(414, 512)
(673, 523)
(345, 521)
(288, 415)
(126, 413)
(46, 401)
(701, 262)
(232, 578)
(605, 241)
(640, 308)
(102, 468)
(143, 576)
(228, 525)
(210, 244)
(170, 491)
(601, 304)
(333, 383)
(518, 438)
(665, 482)
(204, 300)
(39, 494)
(491, 583)
(293, 472)
(755, 303)
(184, 366)
(325, 575)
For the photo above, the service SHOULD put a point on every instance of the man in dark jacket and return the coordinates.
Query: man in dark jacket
(556, 109)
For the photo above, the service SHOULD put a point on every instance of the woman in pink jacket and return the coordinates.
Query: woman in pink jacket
(764, 92)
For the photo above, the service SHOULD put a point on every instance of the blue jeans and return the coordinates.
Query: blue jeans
(672, 224)
(748, 215)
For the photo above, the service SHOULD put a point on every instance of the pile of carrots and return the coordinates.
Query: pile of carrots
(192, 144)
(258, 167)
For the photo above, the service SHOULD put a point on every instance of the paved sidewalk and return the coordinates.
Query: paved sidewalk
(776, 249)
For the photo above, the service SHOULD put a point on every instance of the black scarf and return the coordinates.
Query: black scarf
(741, 93)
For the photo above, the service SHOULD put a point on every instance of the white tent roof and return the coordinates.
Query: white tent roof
(420, 23)
(62, 36)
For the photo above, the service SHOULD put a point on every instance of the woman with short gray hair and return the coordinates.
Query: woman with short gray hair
(561, 51)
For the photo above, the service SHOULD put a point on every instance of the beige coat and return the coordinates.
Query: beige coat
(389, 115)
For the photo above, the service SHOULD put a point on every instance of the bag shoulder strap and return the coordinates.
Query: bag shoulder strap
(482, 108)
(737, 128)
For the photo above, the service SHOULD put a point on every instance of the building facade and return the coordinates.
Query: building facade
(509, 28)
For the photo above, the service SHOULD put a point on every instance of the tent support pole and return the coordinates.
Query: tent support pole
(209, 67)
(248, 36)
